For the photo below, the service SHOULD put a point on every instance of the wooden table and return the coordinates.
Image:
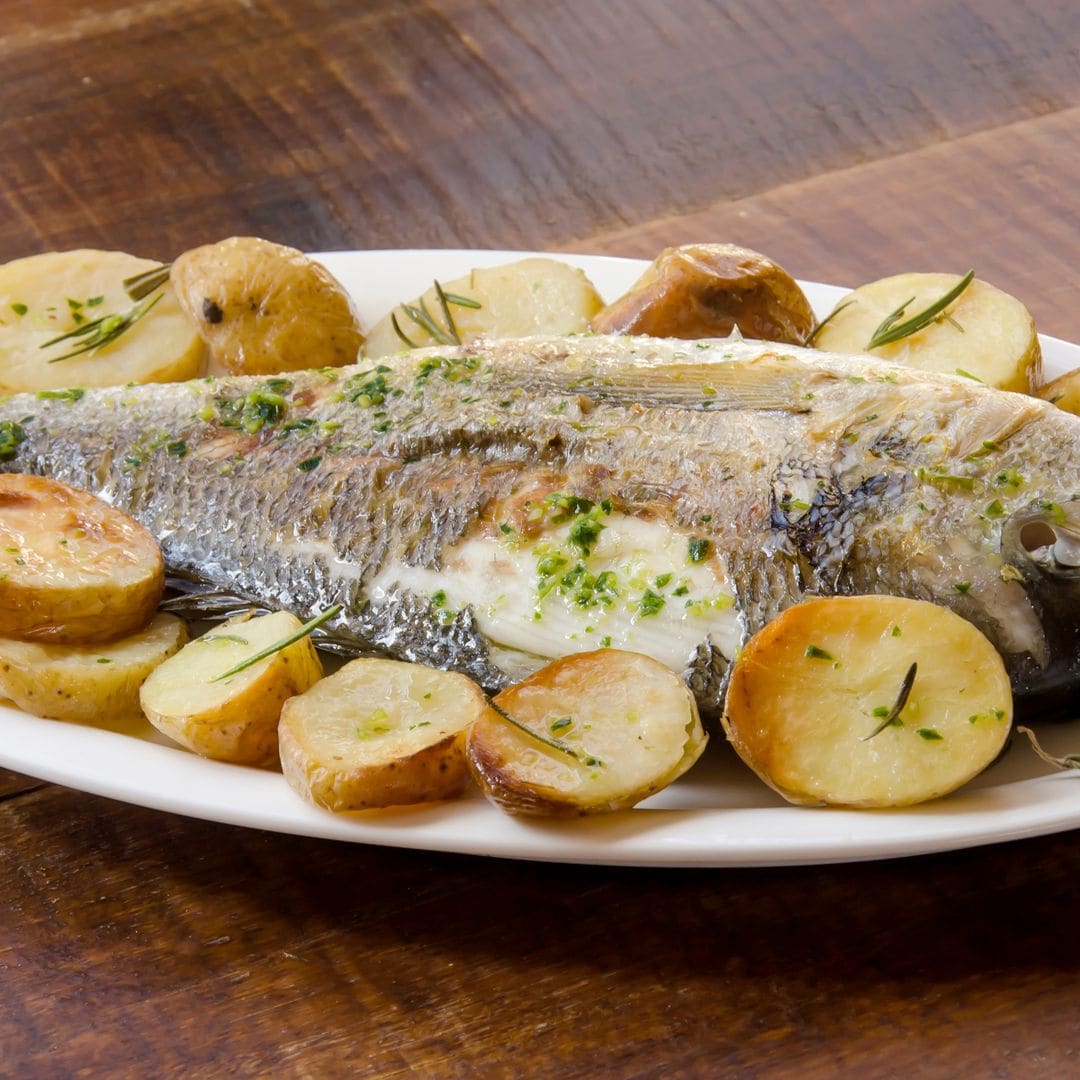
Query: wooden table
(845, 140)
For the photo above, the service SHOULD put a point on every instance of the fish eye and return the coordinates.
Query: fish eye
(1037, 534)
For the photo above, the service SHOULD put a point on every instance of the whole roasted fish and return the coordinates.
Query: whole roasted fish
(489, 507)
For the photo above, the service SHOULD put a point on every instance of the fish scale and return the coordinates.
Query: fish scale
(301, 492)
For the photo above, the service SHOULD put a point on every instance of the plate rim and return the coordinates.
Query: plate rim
(79, 756)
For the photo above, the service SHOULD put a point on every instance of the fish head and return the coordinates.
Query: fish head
(1041, 541)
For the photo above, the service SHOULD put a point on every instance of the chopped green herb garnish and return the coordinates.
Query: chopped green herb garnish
(815, 652)
(309, 463)
(650, 603)
(178, 448)
(74, 394)
(698, 549)
(995, 510)
(561, 724)
(929, 734)
(663, 580)
(103, 660)
(896, 631)
(12, 436)
(438, 599)
(19, 309)
(962, 586)
(605, 642)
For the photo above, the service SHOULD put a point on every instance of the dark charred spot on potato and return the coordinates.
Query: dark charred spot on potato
(211, 310)
(443, 765)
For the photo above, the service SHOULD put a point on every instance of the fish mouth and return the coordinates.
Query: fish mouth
(1042, 542)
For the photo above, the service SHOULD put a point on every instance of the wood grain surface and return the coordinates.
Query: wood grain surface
(844, 140)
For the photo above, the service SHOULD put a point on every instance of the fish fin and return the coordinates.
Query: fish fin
(770, 382)
(989, 420)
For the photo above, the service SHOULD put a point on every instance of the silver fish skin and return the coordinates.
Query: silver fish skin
(795, 473)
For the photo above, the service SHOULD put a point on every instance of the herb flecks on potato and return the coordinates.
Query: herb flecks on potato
(708, 290)
(379, 733)
(868, 701)
(529, 296)
(984, 333)
(588, 734)
(65, 320)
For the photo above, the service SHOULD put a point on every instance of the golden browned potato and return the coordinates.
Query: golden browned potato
(868, 701)
(46, 296)
(88, 684)
(263, 308)
(985, 333)
(1064, 391)
(707, 290)
(72, 568)
(234, 717)
(529, 296)
(379, 733)
(587, 734)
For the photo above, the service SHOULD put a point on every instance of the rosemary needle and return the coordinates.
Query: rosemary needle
(423, 318)
(891, 329)
(139, 285)
(901, 701)
(100, 332)
(554, 744)
(284, 643)
(816, 329)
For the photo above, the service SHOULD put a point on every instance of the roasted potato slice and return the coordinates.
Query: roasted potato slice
(88, 684)
(72, 568)
(379, 733)
(231, 718)
(530, 296)
(707, 290)
(44, 296)
(1064, 391)
(824, 704)
(605, 730)
(263, 308)
(985, 333)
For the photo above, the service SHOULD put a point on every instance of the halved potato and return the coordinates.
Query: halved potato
(812, 702)
(707, 290)
(72, 568)
(88, 684)
(606, 729)
(235, 718)
(985, 333)
(530, 296)
(44, 296)
(1064, 391)
(263, 308)
(379, 733)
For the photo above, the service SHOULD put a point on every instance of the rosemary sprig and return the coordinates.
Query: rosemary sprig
(100, 332)
(553, 744)
(1069, 761)
(816, 329)
(284, 643)
(139, 285)
(891, 329)
(898, 705)
(423, 318)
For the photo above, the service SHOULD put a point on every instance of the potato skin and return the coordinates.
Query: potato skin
(434, 774)
(1064, 392)
(707, 290)
(88, 684)
(263, 308)
(239, 723)
(74, 569)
